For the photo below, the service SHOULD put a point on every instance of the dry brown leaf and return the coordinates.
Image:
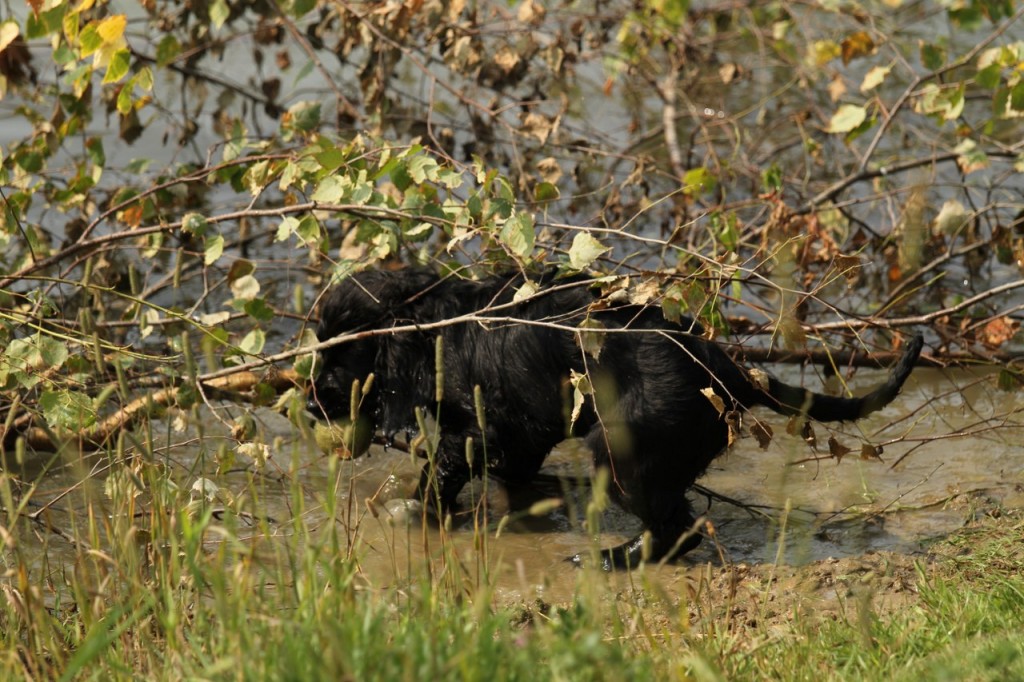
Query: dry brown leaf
(550, 170)
(856, 45)
(760, 378)
(792, 331)
(538, 126)
(807, 433)
(732, 420)
(836, 88)
(794, 425)
(837, 449)
(763, 433)
(869, 451)
(530, 12)
(998, 331)
(849, 266)
(506, 59)
(714, 399)
(644, 292)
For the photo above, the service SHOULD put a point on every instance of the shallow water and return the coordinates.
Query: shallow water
(836, 509)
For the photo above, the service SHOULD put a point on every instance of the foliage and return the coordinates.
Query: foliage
(180, 182)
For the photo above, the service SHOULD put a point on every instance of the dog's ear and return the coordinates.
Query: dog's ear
(368, 298)
(391, 288)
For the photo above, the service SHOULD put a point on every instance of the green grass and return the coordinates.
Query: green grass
(157, 586)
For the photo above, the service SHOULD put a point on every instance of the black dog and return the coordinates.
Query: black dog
(647, 420)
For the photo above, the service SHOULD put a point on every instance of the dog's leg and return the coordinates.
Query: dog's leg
(443, 480)
(663, 543)
(651, 471)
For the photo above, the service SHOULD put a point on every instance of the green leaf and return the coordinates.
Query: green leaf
(545, 192)
(258, 309)
(518, 235)
(952, 218)
(52, 352)
(968, 18)
(971, 157)
(168, 49)
(989, 76)
(360, 190)
(302, 7)
(330, 190)
(90, 40)
(585, 250)
(213, 248)
(304, 116)
(398, 171)
(309, 229)
(245, 288)
(29, 161)
(673, 302)
(306, 69)
(417, 232)
(727, 230)
(255, 178)
(194, 224)
(1009, 381)
(423, 168)
(252, 343)
(933, 56)
(94, 148)
(450, 178)
(69, 410)
(124, 101)
(1017, 97)
(846, 118)
(771, 178)
(303, 365)
(37, 26)
(118, 66)
(699, 181)
(330, 159)
(287, 227)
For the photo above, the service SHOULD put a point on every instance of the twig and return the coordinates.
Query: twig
(876, 140)
(346, 105)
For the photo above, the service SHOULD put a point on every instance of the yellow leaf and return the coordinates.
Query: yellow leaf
(8, 32)
(824, 51)
(111, 29)
(846, 118)
(874, 77)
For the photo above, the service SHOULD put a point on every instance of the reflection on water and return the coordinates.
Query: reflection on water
(836, 509)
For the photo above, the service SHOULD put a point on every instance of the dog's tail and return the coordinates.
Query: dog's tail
(791, 400)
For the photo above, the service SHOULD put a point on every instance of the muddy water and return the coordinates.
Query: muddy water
(834, 509)
(962, 449)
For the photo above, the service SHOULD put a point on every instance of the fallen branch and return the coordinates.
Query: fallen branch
(104, 431)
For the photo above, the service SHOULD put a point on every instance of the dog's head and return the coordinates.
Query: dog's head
(364, 302)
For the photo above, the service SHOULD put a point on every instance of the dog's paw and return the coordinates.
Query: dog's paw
(406, 513)
(579, 561)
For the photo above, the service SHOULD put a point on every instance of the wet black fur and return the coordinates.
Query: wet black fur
(651, 425)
